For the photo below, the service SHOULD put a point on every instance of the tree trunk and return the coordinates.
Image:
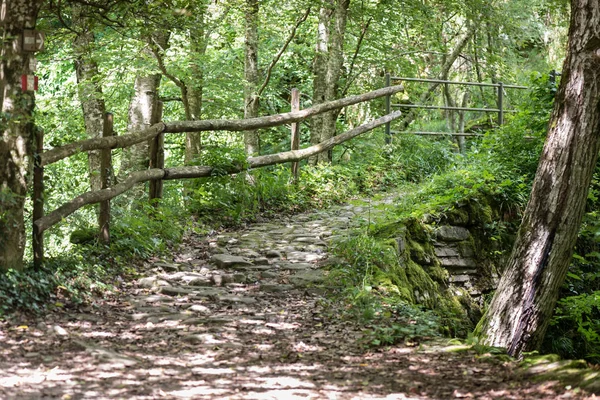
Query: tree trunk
(193, 140)
(16, 145)
(199, 42)
(143, 109)
(320, 75)
(329, 61)
(334, 71)
(251, 99)
(522, 305)
(90, 92)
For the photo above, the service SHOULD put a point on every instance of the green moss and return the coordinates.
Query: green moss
(457, 216)
(83, 236)
(439, 274)
(395, 283)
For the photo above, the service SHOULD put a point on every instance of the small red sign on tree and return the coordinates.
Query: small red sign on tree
(29, 82)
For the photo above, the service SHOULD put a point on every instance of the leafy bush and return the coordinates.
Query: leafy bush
(575, 327)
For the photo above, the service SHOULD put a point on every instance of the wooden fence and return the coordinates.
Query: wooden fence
(157, 173)
(500, 109)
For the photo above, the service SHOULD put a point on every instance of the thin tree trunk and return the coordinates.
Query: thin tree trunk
(520, 311)
(251, 98)
(334, 71)
(320, 75)
(199, 42)
(17, 127)
(90, 92)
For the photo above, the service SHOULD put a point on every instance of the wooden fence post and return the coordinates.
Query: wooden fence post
(38, 201)
(295, 132)
(157, 157)
(500, 104)
(388, 109)
(105, 175)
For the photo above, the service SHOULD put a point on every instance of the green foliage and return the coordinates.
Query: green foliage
(146, 230)
(402, 322)
(61, 282)
(575, 327)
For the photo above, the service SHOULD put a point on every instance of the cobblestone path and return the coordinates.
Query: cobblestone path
(239, 315)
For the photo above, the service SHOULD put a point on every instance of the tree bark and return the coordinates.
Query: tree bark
(335, 64)
(143, 109)
(17, 127)
(520, 311)
(327, 69)
(251, 98)
(90, 92)
(320, 75)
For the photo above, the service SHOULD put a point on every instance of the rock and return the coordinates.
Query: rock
(237, 299)
(457, 262)
(217, 280)
(249, 253)
(261, 261)
(445, 251)
(201, 338)
(200, 282)
(268, 275)
(203, 292)
(200, 309)
(296, 266)
(175, 291)
(168, 267)
(147, 282)
(274, 254)
(304, 278)
(452, 233)
(229, 261)
(60, 331)
(459, 278)
(302, 256)
(275, 288)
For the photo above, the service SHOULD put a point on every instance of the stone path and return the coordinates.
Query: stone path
(239, 315)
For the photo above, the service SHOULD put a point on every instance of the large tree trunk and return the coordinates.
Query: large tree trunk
(251, 99)
(17, 131)
(522, 306)
(90, 92)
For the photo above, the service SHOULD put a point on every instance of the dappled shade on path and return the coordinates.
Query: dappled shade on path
(239, 316)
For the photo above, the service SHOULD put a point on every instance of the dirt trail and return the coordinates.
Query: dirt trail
(239, 316)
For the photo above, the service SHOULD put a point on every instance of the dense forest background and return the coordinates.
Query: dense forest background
(235, 59)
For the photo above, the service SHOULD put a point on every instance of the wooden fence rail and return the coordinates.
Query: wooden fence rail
(157, 172)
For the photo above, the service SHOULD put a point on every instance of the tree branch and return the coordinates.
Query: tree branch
(282, 50)
(349, 81)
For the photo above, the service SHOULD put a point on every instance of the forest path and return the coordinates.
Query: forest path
(240, 315)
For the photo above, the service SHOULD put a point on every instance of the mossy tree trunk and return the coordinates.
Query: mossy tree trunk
(17, 127)
(520, 311)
